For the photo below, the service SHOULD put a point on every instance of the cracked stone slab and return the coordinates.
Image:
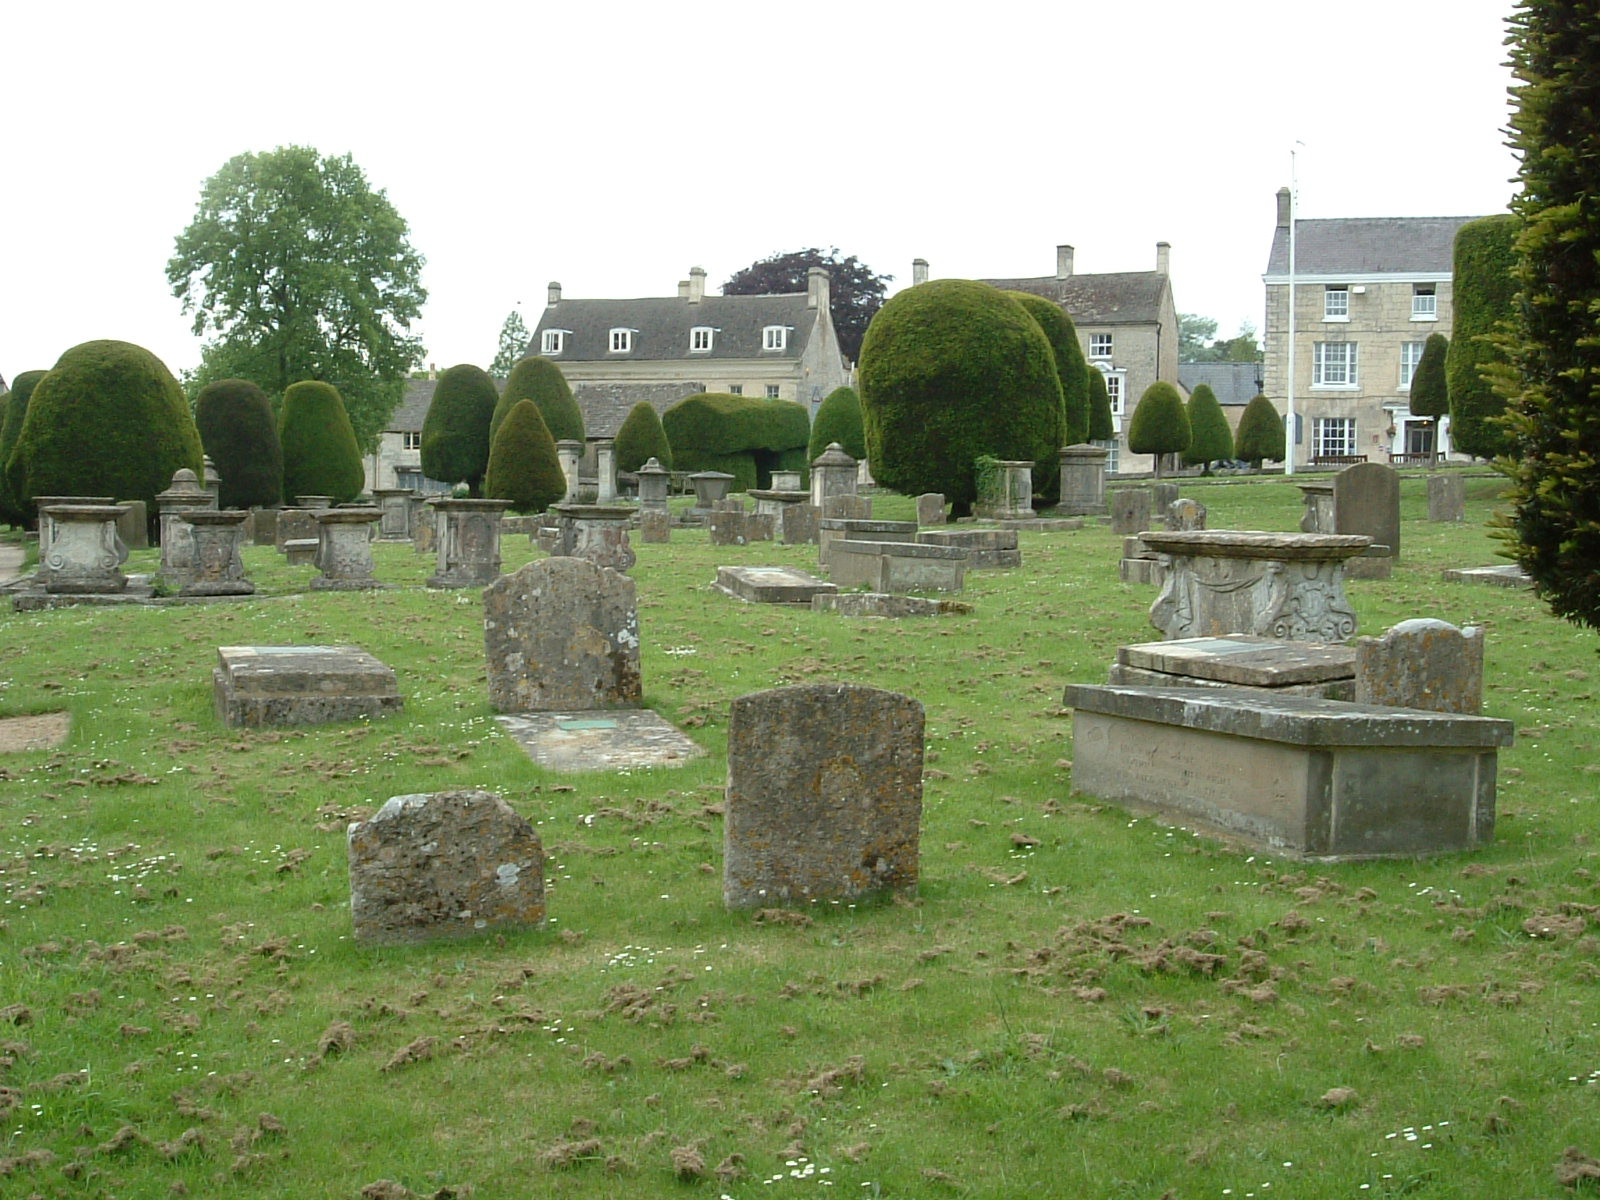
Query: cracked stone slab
(610, 740)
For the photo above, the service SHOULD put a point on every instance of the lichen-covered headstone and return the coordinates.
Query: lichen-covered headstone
(1184, 515)
(1130, 510)
(930, 508)
(444, 865)
(655, 526)
(562, 635)
(1422, 664)
(824, 798)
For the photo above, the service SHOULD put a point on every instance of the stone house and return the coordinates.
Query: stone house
(397, 462)
(1368, 291)
(1127, 324)
(616, 352)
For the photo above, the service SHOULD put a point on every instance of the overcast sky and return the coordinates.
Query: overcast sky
(613, 146)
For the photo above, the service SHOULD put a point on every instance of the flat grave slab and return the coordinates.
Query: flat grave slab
(1241, 661)
(882, 604)
(1041, 524)
(772, 585)
(600, 741)
(301, 685)
(1317, 779)
(36, 599)
(1508, 576)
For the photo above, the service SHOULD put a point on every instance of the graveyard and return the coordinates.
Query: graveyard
(1061, 995)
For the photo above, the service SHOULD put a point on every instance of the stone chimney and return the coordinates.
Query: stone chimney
(1063, 262)
(1283, 208)
(554, 296)
(817, 287)
(683, 289)
(697, 284)
(919, 271)
(1163, 258)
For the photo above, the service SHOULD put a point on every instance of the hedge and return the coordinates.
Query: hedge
(1483, 295)
(839, 420)
(749, 437)
(12, 508)
(540, 380)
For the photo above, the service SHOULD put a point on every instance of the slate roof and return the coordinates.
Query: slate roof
(662, 325)
(1367, 246)
(1118, 298)
(606, 405)
(1234, 383)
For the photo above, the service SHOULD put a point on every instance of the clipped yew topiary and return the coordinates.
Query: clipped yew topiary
(839, 420)
(1210, 438)
(950, 371)
(1159, 425)
(13, 510)
(236, 427)
(749, 437)
(1062, 335)
(642, 438)
(1102, 421)
(523, 465)
(540, 380)
(1260, 437)
(455, 433)
(1483, 294)
(108, 419)
(1430, 395)
(320, 455)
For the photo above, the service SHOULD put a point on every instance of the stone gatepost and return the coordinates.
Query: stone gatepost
(47, 527)
(1083, 481)
(1288, 586)
(211, 481)
(597, 533)
(315, 503)
(469, 542)
(710, 488)
(85, 552)
(786, 481)
(832, 474)
(395, 504)
(218, 570)
(177, 536)
(655, 485)
(344, 549)
(605, 459)
(569, 453)
(1005, 492)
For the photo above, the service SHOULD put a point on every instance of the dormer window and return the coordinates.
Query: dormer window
(700, 338)
(1424, 303)
(1099, 345)
(553, 341)
(1336, 303)
(775, 337)
(622, 341)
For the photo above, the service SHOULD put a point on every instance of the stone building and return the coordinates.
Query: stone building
(1128, 325)
(1368, 292)
(1234, 384)
(660, 349)
(397, 462)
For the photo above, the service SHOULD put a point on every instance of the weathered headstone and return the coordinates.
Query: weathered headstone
(1161, 497)
(264, 526)
(1447, 498)
(133, 527)
(846, 507)
(729, 504)
(444, 865)
(1322, 779)
(797, 524)
(301, 685)
(469, 542)
(655, 526)
(395, 503)
(562, 635)
(605, 458)
(1130, 510)
(1366, 500)
(344, 549)
(1186, 515)
(930, 508)
(293, 525)
(1422, 664)
(727, 527)
(1005, 491)
(1083, 480)
(1288, 586)
(218, 568)
(185, 495)
(836, 529)
(824, 797)
(786, 481)
(210, 480)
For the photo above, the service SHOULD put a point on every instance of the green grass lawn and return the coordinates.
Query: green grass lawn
(1078, 1003)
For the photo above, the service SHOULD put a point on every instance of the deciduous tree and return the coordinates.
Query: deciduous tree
(297, 269)
(855, 291)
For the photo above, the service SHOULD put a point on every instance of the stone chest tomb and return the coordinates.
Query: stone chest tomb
(301, 685)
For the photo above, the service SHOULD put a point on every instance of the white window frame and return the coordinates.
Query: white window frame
(1333, 435)
(1100, 345)
(621, 341)
(1336, 303)
(553, 341)
(1116, 391)
(1410, 356)
(1424, 303)
(772, 391)
(774, 337)
(411, 439)
(1334, 366)
(701, 338)
(1113, 449)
